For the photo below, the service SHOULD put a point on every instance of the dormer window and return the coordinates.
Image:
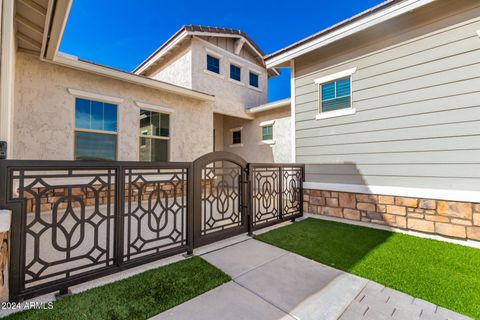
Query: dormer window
(253, 81)
(235, 72)
(213, 64)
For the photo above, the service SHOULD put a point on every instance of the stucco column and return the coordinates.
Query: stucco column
(7, 72)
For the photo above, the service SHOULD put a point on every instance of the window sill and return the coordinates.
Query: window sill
(237, 145)
(240, 83)
(220, 76)
(268, 142)
(254, 88)
(336, 113)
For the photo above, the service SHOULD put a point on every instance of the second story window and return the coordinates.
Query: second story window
(213, 64)
(95, 130)
(253, 81)
(235, 72)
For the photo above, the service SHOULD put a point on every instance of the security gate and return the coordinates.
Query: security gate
(74, 221)
(220, 210)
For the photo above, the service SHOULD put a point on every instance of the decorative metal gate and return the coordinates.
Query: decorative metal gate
(220, 209)
(74, 221)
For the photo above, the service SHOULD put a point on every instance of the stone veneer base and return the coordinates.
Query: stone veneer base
(460, 220)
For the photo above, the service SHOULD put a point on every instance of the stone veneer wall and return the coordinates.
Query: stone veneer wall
(446, 218)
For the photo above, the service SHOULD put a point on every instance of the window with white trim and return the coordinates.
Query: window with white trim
(95, 130)
(335, 95)
(267, 132)
(154, 136)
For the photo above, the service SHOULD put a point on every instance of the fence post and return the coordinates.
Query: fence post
(119, 214)
(249, 200)
(280, 192)
(190, 210)
(302, 179)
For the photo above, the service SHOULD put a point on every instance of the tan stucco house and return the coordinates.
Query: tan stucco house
(204, 89)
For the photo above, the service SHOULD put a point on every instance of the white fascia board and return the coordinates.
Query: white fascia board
(425, 193)
(56, 27)
(347, 30)
(154, 107)
(94, 96)
(267, 123)
(152, 59)
(270, 106)
(129, 77)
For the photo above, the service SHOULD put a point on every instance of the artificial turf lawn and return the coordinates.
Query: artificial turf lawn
(442, 273)
(138, 297)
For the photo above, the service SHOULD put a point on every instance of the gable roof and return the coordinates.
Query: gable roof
(197, 30)
(382, 12)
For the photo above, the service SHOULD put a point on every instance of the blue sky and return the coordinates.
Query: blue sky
(122, 33)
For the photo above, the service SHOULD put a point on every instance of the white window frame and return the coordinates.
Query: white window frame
(330, 78)
(267, 124)
(157, 109)
(209, 52)
(236, 145)
(97, 97)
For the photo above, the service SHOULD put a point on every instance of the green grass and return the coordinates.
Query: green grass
(137, 297)
(442, 273)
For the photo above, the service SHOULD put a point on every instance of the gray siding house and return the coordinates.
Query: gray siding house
(387, 103)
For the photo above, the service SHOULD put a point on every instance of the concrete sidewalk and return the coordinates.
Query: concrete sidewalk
(271, 283)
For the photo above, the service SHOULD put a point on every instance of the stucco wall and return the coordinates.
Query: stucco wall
(253, 150)
(218, 127)
(44, 113)
(177, 69)
(231, 97)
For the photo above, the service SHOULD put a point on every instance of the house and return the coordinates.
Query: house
(204, 89)
(383, 108)
(386, 116)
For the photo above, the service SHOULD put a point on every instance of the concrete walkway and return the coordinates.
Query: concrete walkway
(270, 283)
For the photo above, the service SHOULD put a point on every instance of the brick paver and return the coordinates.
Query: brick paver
(378, 302)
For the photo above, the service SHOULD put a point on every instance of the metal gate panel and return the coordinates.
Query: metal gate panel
(220, 209)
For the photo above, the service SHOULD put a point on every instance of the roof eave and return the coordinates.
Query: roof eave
(270, 106)
(342, 30)
(75, 63)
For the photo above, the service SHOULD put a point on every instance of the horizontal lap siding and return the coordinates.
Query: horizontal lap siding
(418, 116)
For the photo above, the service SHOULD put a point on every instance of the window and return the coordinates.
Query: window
(154, 135)
(237, 137)
(95, 130)
(235, 72)
(335, 95)
(213, 64)
(253, 81)
(267, 133)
